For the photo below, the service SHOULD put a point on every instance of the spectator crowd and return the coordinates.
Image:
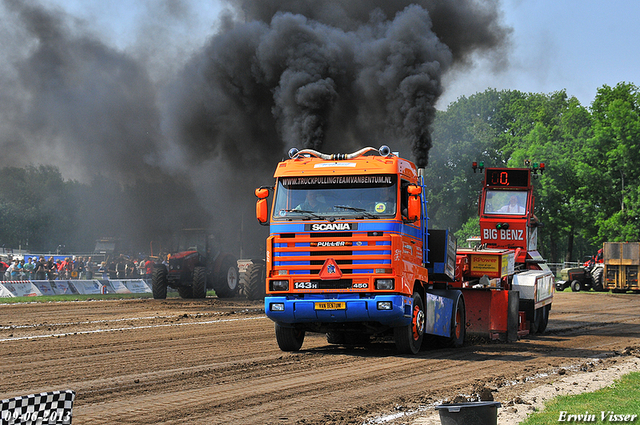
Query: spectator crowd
(33, 268)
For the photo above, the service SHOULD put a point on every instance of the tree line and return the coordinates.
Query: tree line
(590, 192)
(42, 212)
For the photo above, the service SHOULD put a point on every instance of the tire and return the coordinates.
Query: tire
(185, 292)
(596, 277)
(409, 338)
(545, 319)
(289, 339)
(255, 281)
(199, 286)
(336, 338)
(226, 281)
(536, 320)
(458, 327)
(576, 286)
(159, 282)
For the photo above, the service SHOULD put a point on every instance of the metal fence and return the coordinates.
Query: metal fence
(556, 267)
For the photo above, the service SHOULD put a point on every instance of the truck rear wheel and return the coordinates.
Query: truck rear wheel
(159, 282)
(255, 281)
(289, 339)
(408, 338)
(199, 282)
(227, 279)
(458, 326)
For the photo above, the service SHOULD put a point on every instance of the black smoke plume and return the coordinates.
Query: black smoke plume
(329, 75)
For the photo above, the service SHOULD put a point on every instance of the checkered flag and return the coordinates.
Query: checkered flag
(51, 408)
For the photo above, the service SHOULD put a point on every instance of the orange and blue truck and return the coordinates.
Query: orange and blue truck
(350, 254)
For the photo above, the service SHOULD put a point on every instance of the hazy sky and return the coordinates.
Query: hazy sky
(574, 45)
(556, 44)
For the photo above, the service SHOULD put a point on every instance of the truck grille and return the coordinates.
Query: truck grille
(356, 253)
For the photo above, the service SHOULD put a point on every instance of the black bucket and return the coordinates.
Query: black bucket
(470, 413)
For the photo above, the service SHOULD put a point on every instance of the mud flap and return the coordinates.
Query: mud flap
(513, 320)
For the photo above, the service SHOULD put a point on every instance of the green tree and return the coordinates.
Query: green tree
(612, 166)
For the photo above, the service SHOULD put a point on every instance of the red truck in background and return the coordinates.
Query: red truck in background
(350, 254)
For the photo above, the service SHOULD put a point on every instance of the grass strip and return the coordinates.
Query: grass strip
(618, 403)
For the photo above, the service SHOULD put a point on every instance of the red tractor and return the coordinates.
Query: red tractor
(194, 267)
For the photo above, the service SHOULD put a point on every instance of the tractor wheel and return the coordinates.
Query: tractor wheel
(458, 328)
(255, 281)
(159, 282)
(199, 286)
(185, 292)
(289, 339)
(545, 318)
(226, 285)
(596, 276)
(409, 338)
(576, 286)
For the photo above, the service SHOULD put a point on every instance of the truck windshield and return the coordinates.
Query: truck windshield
(513, 202)
(327, 197)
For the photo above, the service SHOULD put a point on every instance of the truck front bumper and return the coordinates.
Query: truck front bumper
(388, 310)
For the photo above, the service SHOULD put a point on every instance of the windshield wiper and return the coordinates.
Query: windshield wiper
(360, 210)
(308, 213)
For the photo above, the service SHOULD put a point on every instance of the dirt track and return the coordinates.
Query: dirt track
(216, 361)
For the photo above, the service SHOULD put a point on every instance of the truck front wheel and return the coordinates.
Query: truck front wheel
(408, 338)
(289, 339)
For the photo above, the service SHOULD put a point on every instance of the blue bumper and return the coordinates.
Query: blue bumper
(357, 308)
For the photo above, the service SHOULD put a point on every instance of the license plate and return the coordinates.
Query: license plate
(331, 306)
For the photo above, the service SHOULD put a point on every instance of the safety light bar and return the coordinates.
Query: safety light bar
(477, 166)
(535, 166)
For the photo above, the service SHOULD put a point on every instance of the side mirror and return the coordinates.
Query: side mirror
(262, 209)
(414, 202)
(414, 190)
(414, 208)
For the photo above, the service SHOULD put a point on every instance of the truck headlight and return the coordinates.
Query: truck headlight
(277, 306)
(384, 284)
(385, 305)
(279, 285)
